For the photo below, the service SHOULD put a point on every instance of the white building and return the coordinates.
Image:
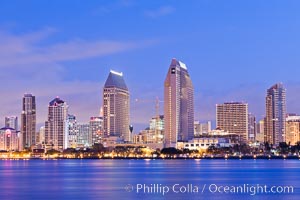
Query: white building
(204, 143)
(9, 139)
(55, 126)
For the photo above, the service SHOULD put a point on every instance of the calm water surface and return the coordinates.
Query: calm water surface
(109, 179)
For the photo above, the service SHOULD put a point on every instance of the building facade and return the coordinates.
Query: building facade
(204, 143)
(259, 136)
(233, 117)
(84, 137)
(178, 104)
(96, 129)
(28, 121)
(292, 130)
(55, 126)
(71, 134)
(275, 114)
(42, 135)
(9, 139)
(154, 134)
(251, 127)
(12, 122)
(116, 107)
(202, 128)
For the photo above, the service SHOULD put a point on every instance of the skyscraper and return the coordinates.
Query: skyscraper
(259, 135)
(42, 135)
(233, 117)
(55, 126)
(275, 114)
(11, 122)
(28, 121)
(71, 134)
(96, 129)
(251, 127)
(178, 104)
(116, 106)
(84, 139)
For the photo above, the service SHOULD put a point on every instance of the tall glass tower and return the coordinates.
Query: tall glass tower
(116, 106)
(275, 114)
(178, 104)
(28, 121)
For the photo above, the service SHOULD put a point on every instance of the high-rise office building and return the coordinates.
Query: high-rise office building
(12, 122)
(178, 104)
(292, 133)
(84, 138)
(233, 117)
(251, 127)
(71, 134)
(275, 114)
(157, 127)
(28, 121)
(260, 129)
(116, 106)
(42, 135)
(55, 126)
(96, 129)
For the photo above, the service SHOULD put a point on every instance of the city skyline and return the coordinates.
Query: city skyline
(100, 111)
(230, 52)
(62, 130)
(130, 99)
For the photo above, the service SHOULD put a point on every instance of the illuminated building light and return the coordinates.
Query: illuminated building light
(116, 73)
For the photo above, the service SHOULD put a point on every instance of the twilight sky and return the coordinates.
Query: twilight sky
(234, 51)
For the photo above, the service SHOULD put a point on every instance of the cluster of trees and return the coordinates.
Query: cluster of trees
(283, 148)
(98, 149)
(243, 149)
(239, 149)
(94, 151)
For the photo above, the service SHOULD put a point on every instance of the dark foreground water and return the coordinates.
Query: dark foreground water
(153, 179)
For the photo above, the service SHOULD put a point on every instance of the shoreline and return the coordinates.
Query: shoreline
(166, 158)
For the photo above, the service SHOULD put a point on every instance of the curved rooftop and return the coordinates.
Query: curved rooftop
(56, 101)
(115, 79)
(7, 128)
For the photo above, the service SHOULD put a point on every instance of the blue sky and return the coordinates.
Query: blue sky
(234, 51)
